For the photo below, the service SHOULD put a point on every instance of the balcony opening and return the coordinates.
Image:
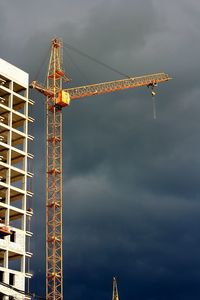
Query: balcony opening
(5, 98)
(19, 104)
(5, 82)
(14, 261)
(18, 122)
(18, 140)
(4, 115)
(4, 135)
(13, 236)
(17, 179)
(3, 174)
(12, 279)
(16, 219)
(2, 262)
(17, 159)
(19, 89)
(1, 276)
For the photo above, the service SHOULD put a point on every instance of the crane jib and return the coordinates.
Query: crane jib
(108, 87)
(65, 96)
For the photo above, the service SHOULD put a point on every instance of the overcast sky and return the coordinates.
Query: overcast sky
(131, 187)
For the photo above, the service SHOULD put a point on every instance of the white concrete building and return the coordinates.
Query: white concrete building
(15, 180)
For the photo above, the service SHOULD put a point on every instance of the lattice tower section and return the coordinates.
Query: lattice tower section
(54, 276)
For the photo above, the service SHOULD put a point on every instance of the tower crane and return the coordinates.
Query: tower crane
(56, 99)
(115, 295)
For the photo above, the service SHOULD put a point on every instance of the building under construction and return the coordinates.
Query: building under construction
(15, 182)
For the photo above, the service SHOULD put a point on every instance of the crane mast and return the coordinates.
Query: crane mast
(56, 99)
(54, 276)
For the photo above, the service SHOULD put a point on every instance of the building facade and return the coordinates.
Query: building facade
(15, 182)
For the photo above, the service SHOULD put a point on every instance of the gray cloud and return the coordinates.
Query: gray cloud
(131, 189)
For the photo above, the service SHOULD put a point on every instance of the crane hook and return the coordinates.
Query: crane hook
(153, 94)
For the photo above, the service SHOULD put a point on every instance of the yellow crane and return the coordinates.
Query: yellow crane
(56, 99)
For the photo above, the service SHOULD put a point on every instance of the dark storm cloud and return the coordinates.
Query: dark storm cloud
(131, 183)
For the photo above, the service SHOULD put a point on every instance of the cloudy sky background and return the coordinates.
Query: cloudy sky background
(131, 184)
